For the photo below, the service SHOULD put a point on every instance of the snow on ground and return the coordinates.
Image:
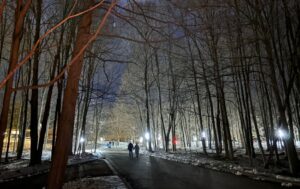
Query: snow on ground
(194, 159)
(104, 182)
(20, 169)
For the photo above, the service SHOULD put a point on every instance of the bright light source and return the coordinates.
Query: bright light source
(81, 139)
(14, 132)
(174, 140)
(203, 134)
(141, 139)
(147, 136)
(281, 133)
(194, 138)
(101, 139)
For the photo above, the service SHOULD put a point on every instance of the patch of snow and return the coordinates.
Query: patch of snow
(286, 184)
(20, 168)
(195, 159)
(104, 182)
(238, 173)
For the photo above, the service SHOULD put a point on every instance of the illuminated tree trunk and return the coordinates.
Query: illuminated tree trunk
(146, 87)
(162, 122)
(66, 121)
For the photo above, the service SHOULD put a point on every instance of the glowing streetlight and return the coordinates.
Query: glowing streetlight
(141, 139)
(203, 134)
(147, 136)
(194, 138)
(281, 133)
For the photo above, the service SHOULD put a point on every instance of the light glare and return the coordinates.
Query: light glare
(194, 138)
(203, 134)
(281, 133)
(147, 136)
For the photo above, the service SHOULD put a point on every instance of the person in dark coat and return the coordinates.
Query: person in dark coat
(130, 148)
(137, 150)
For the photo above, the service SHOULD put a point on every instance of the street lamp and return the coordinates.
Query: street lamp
(147, 136)
(203, 134)
(81, 140)
(281, 134)
(141, 139)
(194, 138)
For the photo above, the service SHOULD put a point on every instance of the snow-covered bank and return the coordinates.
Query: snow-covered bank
(105, 182)
(84, 171)
(20, 169)
(227, 166)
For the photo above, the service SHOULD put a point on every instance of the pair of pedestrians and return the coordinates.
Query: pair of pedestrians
(136, 148)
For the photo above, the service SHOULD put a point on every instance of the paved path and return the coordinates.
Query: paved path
(155, 173)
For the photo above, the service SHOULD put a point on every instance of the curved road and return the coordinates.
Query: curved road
(149, 172)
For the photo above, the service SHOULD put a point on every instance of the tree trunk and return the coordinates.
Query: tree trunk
(77, 123)
(11, 124)
(24, 125)
(20, 13)
(34, 94)
(97, 117)
(198, 99)
(86, 104)
(146, 87)
(48, 100)
(162, 122)
(66, 121)
(211, 106)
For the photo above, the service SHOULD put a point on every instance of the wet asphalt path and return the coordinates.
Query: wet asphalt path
(149, 172)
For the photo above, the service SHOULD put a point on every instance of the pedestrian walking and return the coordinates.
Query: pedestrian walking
(130, 148)
(137, 150)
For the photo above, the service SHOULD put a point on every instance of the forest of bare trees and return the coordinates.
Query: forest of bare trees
(219, 75)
